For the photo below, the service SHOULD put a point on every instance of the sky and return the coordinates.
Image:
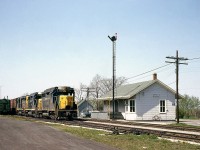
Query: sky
(46, 43)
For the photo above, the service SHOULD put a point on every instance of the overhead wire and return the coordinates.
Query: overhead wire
(148, 71)
(139, 78)
(155, 69)
(171, 83)
(194, 58)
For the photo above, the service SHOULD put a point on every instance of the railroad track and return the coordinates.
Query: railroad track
(116, 127)
(128, 129)
(171, 127)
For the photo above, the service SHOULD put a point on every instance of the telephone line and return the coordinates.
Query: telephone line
(194, 58)
(147, 72)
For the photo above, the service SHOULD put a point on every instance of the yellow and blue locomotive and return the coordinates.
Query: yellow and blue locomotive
(59, 102)
(56, 102)
(34, 105)
(22, 105)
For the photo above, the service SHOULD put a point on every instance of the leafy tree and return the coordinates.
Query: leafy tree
(189, 107)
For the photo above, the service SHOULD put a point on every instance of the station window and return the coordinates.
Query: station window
(162, 106)
(132, 105)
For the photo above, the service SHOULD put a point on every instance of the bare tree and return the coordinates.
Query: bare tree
(79, 94)
(100, 86)
(96, 85)
(103, 85)
(106, 84)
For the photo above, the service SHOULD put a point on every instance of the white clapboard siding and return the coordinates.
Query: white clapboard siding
(148, 103)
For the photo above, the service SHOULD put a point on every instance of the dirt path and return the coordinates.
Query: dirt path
(25, 135)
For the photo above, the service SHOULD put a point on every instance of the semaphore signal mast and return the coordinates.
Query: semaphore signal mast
(114, 39)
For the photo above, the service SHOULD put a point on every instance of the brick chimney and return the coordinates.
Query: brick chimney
(155, 76)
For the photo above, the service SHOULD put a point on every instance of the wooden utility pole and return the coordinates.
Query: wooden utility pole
(87, 90)
(177, 62)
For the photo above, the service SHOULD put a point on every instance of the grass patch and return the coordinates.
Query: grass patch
(128, 141)
(183, 125)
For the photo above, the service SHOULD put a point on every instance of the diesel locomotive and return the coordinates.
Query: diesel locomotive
(55, 103)
(21, 103)
(34, 105)
(59, 102)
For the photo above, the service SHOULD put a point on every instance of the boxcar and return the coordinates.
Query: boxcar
(13, 106)
(4, 106)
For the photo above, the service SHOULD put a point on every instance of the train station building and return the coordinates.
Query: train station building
(148, 100)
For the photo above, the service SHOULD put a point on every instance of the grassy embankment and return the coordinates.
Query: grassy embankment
(128, 141)
(183, 125)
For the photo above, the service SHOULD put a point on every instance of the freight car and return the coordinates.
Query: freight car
(13, 106)
(59, 102)
(4, 106)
